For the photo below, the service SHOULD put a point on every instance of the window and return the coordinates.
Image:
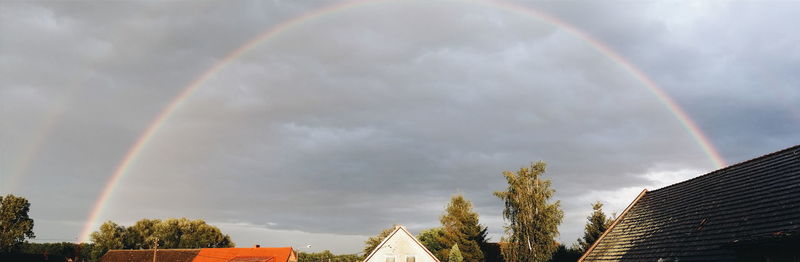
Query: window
(389, 259)
(411, 259)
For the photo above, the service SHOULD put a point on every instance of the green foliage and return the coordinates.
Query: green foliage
(461, 226)
(565, 254)
(327, 256)
(66, 250)
(15, 225)
(142, 234)
(532, 220)
(595, 226)
(110, 236)
(373, 242)
(455, 254)
(170, 233)
(433, 240)
(185, 233)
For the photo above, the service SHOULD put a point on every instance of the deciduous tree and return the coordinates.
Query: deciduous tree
(15, 225)
(532, 220)
(185, 233)
(433, 240)
(142, 234)
(110, 236)
(170, 233)
(65, 250)
(373, 242)
(326, 256)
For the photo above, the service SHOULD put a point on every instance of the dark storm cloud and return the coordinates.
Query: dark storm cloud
(351, 122)
(431, 112)
(731, 66)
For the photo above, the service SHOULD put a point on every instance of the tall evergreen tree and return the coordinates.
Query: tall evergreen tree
(455, 254)
(15, 225)
(461, 226)
(595, 226)
(532, 220)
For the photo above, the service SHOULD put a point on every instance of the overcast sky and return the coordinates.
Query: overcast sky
(352, 121)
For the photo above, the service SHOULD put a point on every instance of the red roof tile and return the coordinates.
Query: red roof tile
(260, 254)
(280, 254)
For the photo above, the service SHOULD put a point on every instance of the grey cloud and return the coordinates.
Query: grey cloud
(350, 122)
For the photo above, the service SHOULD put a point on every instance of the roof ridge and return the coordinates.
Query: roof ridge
(717, 171)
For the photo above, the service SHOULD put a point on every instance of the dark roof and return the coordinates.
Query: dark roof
(708, 217)
(172, 255)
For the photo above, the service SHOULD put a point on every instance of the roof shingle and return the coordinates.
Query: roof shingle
(702, 218)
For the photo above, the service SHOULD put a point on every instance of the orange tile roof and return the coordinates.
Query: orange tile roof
(280, 254)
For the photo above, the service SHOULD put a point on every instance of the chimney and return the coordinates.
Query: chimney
(256, 246)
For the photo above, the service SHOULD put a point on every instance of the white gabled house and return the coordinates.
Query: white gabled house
(400, 246)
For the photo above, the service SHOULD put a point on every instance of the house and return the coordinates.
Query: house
(254, 254)
(749, 211)
(400, 246)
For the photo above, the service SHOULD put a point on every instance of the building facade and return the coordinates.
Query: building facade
(400, 246)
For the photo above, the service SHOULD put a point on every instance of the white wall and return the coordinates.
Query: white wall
(399, 246)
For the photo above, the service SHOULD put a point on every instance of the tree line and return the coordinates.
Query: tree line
(155, 233)
(532, 220)
(326, 256)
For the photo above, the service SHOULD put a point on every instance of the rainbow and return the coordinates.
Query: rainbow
(132, 154)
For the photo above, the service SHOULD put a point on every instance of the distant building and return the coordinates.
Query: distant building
(745, 212)
(255, 254)
(400, 246)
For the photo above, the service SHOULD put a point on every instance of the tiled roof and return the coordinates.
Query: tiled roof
(172, 255)
(252, 259)
(260, 254)
(280, 254)
(705, 218)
